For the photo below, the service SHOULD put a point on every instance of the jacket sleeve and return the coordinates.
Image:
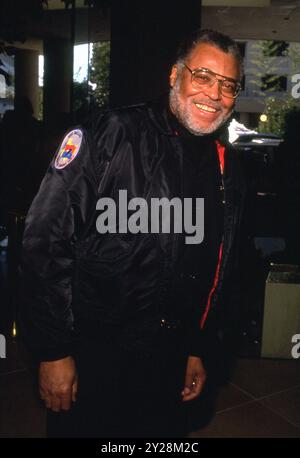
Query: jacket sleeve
(199, 340)
(54, 222)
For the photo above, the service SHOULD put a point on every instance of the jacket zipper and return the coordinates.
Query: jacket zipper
(221, 155)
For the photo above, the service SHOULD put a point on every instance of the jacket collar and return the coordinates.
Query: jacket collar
(159, 114)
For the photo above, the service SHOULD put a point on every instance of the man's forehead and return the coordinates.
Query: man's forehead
(213, 58)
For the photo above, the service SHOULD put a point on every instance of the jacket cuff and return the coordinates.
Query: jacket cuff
(196, 344)
(53, 354)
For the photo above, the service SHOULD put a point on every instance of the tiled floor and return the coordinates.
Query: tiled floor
(21, 412)
(261, 400)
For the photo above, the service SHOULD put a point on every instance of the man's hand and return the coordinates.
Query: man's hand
(58, 383)
(195, 377)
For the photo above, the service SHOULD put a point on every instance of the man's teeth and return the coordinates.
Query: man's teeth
(205, 107)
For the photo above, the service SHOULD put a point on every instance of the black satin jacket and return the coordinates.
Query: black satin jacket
(78, 283)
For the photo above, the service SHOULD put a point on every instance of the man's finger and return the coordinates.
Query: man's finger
(186, 390)
(189, 379)
(47, 401)
(66, 400)
(74, 390)
(55, 404)
(46, 397)
(194, 389)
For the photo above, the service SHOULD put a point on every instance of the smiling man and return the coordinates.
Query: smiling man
(122, 323)
(205, 82)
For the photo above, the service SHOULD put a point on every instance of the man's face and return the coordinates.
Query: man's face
(202, 110)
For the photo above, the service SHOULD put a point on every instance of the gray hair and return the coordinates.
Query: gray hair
(213, 38)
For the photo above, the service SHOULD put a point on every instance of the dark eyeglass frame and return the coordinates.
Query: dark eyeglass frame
(220, 81)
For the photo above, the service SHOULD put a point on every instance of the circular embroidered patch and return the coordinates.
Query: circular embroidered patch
(69, 149)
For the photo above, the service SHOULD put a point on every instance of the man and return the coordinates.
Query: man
(120, 320)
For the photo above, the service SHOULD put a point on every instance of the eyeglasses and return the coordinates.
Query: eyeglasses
(203, 77)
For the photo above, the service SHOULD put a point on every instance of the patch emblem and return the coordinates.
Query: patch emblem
(69, 149)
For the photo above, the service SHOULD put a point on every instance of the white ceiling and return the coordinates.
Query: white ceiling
(277, 22)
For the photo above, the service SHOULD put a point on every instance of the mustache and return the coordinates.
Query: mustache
(210, 103)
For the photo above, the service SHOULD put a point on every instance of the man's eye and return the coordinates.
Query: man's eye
(202, 78)
(229, 86)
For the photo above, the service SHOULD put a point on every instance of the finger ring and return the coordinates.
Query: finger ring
(193, 383)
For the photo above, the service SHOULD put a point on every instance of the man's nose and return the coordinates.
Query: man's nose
(214, 91)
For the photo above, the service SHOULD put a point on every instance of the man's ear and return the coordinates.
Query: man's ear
(173, 75)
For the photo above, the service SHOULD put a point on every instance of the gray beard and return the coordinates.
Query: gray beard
(183, 115)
